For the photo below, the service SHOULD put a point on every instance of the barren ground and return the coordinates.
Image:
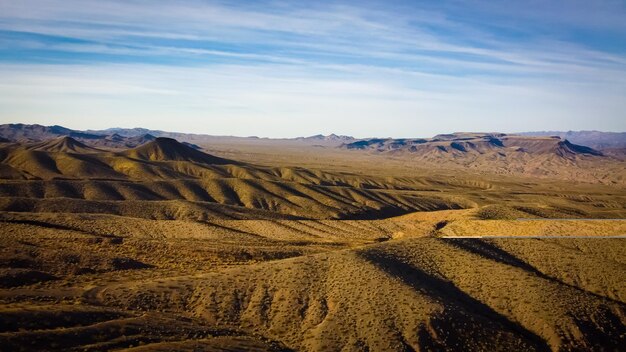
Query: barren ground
(310, 251)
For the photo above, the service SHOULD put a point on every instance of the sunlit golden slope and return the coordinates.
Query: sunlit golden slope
(188, 183)
(165, 179)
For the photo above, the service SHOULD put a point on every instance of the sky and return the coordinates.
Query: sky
(298, 68)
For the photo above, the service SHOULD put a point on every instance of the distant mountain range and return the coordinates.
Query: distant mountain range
(496, 153)
(475, 144)
(36, 133)
(593, 139)
(330, 138)
(547, 156)
(121, 138)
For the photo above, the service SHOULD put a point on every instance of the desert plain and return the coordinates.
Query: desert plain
(472, 242)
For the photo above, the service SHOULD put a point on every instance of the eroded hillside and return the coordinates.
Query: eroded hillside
(165, 247)
(164, 179)
(100, 282)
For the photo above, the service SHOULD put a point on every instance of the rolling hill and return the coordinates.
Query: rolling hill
(495, 153)
(102, 282)
(160, 246)
(168, 149)
(54, 176)
(170, 180)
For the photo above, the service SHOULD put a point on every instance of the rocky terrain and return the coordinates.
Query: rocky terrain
(166, 246)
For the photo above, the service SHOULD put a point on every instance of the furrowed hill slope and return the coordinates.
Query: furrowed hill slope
(164, 179)
(189, 183)
(425, 298)
(163, 247)
(305, 285)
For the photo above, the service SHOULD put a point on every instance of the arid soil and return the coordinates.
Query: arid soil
(272, 248)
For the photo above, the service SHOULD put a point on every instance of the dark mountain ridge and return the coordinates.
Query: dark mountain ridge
(24, 133)
(122, 138)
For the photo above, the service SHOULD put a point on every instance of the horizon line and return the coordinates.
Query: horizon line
(90, 130)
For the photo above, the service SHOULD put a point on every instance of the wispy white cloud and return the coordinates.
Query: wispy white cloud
(285, 68)
(276, 100)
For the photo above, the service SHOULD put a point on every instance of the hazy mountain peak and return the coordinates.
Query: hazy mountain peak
(330, 138)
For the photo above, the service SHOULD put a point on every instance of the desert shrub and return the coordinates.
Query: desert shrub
(498, 212)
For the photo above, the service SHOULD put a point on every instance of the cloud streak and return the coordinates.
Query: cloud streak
(286, 69)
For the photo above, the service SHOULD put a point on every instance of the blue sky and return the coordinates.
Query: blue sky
(292, 68)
